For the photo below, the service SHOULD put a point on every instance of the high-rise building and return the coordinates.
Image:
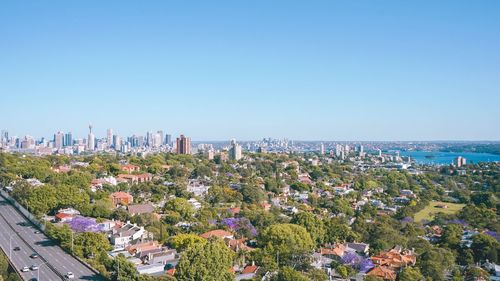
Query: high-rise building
(459, 161)
(235, 152)
(59, 140)
(149, 139)
(4, 137)
(322, 149)
(91, 140)
(109, 137)
(162, 137)
(68, 139)
(168, 139)
(117, 142)
(183, 145)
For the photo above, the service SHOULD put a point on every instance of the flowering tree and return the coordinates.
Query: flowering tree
(83, 224)
(242, 226)
(357, 262)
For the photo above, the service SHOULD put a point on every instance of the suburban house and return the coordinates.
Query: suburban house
(133, 179)
(218, 233)
(139, 209)
(129, 168)
(121, 198)
(123, 236)
(383, 272)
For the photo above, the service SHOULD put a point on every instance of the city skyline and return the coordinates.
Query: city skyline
(323, 71)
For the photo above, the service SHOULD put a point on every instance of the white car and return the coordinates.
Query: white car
(25, 269)
(34, 267)
(70, 275)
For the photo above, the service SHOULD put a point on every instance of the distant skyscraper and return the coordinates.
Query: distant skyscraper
(68, 139)
(168, 139)
(235, 151)
(162, 137)
(117, 142)
(4, 137)
(59, 140)
(459, 161)
(109, 137)
(149, 139)
(183, 145)
(322, 149)
(91, 140)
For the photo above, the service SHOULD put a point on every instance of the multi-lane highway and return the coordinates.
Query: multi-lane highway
(17, 231)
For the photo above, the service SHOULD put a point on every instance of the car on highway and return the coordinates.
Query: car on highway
(70, 275)
(25, 269)
(34, 256)
(17, 249)
(34, 267)
(33, 279)
(38, 232)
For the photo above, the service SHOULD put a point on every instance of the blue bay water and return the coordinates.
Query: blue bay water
(440, 158)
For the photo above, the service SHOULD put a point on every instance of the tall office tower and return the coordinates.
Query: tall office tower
(162, 137)
(109, 137)
(117, 142)
(68, 139)
(157, 140)
(168, 139)
(149, 139)
(183, 145)
(140, 141)
(322, 149)
(459, 161)
(91, 140)
(380, 153)
(235, 151)
(361, 149)
(59, 140)
(338, 149)
(4, 137)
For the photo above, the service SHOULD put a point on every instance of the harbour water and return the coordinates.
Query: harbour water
(444, 158)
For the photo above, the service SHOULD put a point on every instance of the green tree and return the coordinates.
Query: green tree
(452, 236)
(289, 274)
(89, 244)
(313, 225)
(485, 247)
(182, 242)
(210, 261)
(410, 274)
(434, 263)
(289, 242)
(181, 206)
(124, 270)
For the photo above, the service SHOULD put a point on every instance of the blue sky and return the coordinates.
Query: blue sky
(214, 70)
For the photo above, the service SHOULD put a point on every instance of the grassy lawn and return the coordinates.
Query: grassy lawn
(428, 212)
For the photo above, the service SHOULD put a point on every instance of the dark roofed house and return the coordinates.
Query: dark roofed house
(139, 209)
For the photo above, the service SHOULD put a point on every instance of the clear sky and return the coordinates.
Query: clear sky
(214, 70)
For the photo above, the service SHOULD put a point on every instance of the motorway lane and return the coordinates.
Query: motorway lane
(22, 258)
(58, 258)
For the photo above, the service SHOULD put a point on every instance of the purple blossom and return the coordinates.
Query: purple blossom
(407, 220)
(460, 222)
(240, 225)
(492, 234)
(83, 224)
(365, 265)
(357, 262)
